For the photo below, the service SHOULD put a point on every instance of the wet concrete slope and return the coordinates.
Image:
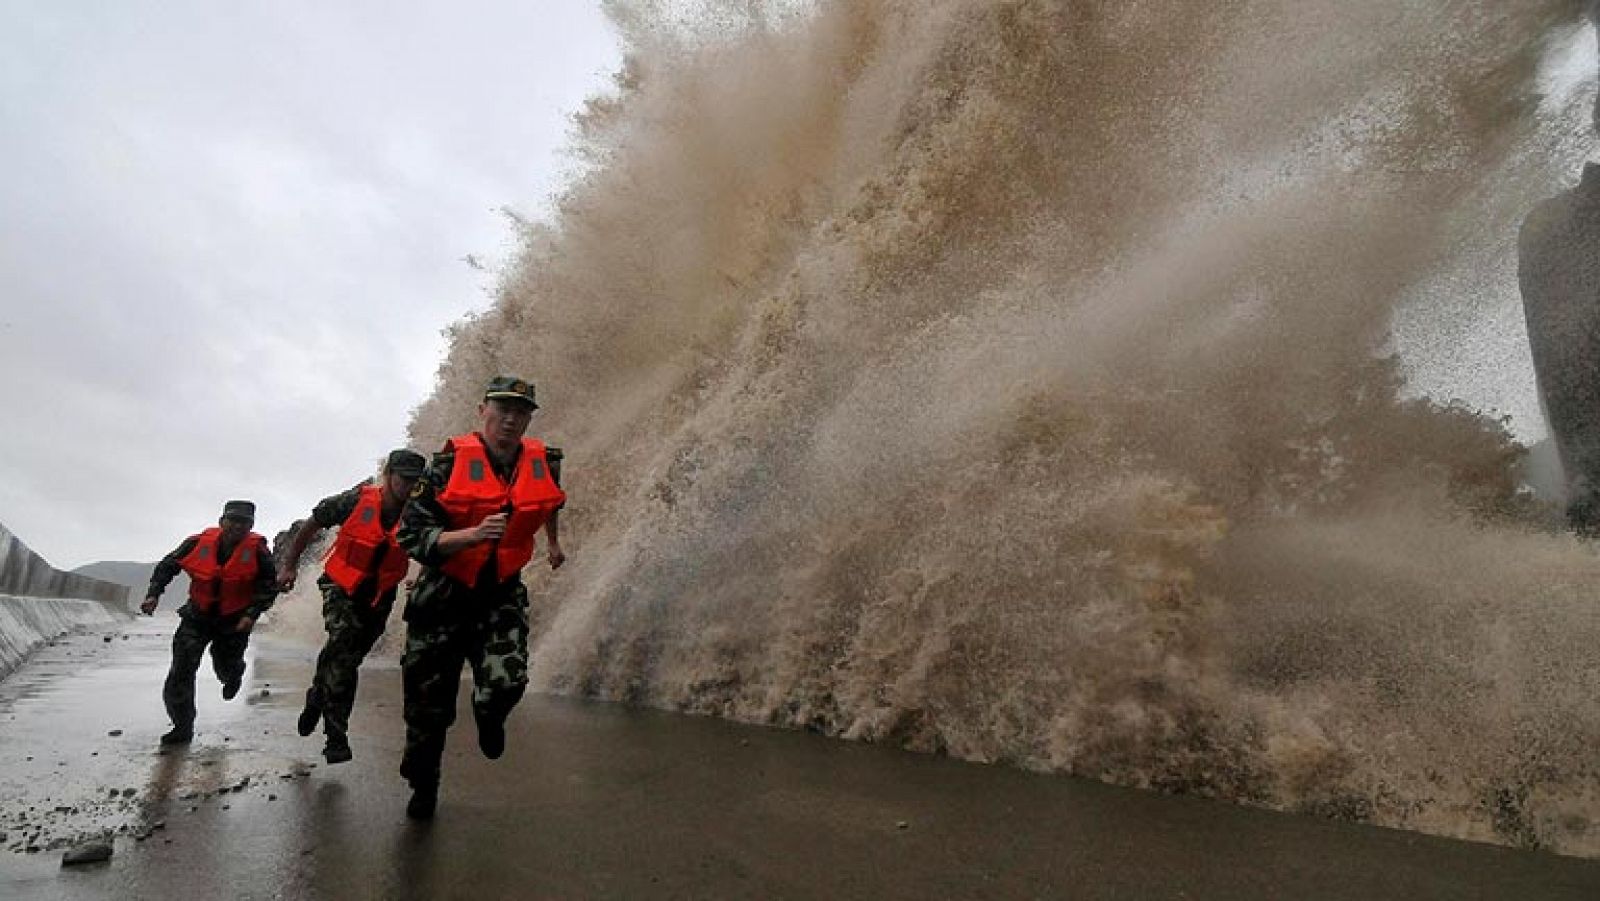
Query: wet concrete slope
(604, 801)
(28, 622)
(39, 602)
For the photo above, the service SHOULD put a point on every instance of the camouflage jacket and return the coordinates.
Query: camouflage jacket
(422, 523)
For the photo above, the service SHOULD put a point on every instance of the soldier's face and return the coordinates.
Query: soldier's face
(399, 486)
(505, 421)
(234, 528)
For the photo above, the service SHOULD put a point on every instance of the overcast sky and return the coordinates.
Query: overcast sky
(230, 234)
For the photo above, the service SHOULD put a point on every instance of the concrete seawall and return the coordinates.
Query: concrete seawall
(22, 572)
(39, 602)
(26, 623)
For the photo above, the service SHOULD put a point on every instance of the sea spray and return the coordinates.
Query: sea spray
(1014, 380)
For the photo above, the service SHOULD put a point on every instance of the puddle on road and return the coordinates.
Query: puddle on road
(79, 726)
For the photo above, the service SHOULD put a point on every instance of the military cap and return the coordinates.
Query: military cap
(407, 463)
(239, 510)
(505, 387)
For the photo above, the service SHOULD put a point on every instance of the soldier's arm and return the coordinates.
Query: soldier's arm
(266, 588)
(423, 520)
(303, 533)
(552, 526)
(329, 512)
(168, 569)
(553, 456)
(425, 531)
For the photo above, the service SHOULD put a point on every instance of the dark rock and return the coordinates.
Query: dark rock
(93, 852)
(114, 733)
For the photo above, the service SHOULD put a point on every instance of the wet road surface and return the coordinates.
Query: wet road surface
(601, 801)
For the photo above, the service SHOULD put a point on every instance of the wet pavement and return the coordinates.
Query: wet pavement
(601, 801)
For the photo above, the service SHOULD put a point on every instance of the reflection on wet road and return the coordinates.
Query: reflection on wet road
(599, 801)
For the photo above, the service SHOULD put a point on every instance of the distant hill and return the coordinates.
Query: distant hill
(134, 575)
(122, 572)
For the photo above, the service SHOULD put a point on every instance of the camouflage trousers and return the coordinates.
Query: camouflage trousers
(486, 630)
(189, 644)
(353, 628)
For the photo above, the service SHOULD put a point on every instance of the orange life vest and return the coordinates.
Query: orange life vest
(228, 588)
(474, 492)
(360, 537)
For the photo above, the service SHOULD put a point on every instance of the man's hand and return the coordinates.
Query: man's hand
(244, 624)
(148, 608)
(556, 556)
(491, 529)
(285, 578)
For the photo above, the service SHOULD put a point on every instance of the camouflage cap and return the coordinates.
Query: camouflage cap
(505, 387)
(406, 463)
(239, 510)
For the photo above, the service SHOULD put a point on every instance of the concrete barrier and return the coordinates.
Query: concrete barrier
(26, 623)
(22, 572)
(39, 602)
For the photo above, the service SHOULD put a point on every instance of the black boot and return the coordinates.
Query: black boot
(307, 723)
(180, 735)
(424, 798)
(491, 734)
(337, 750)
(419, 764)
(231, 687)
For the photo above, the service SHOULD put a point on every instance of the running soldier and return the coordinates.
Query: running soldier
(358, 583)
(230, 586)
(471, 524)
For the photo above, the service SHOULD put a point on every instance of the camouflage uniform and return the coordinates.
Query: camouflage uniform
(197, 629)
(448, 624)
(354, 625)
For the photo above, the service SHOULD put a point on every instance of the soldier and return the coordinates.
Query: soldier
(1559, 274)
(471, 524)
(230, 586)
(358, 583)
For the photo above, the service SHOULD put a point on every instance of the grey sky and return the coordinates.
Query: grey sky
(230, 234)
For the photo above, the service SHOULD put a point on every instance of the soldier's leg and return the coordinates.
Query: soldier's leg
(372, 624)
(499, 659)
(227, 659)
(334, 684)
(188, 646)
(431, 675)
(347, 647)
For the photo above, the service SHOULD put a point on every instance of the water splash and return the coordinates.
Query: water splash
(1014, 380)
